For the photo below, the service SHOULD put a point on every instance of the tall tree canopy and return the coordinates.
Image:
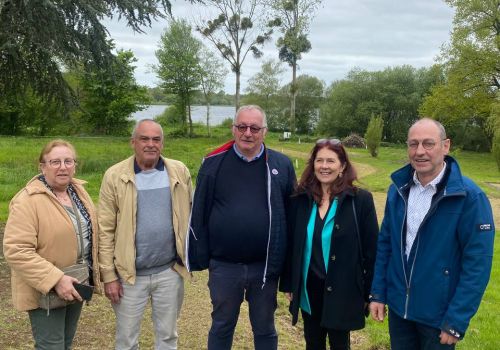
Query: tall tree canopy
(39, 37)
(293, 18)
(236, 30)
(108, 101)
(263, 89)
(179, 64)
(394, 93)
(472, 69)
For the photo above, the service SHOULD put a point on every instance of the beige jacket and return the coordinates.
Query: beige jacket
(117, 218)
(40, 239)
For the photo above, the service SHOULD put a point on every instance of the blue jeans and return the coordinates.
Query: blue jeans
(56, 330)
(411, 335)
(229, 283)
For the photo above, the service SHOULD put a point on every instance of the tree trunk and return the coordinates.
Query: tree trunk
(189, 117)
(237, 95)
(293, 97)
(208, 118)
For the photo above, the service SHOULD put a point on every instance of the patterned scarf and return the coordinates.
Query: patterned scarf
(81, 208)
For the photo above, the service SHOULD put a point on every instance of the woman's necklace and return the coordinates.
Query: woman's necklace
(63, 198)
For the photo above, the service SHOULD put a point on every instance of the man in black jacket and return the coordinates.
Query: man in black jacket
(238, 229)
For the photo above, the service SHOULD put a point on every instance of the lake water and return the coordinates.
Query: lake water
(198, 113)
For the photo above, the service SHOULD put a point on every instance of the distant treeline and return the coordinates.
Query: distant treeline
(159, 97)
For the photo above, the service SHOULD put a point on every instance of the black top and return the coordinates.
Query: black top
(239, 220)
(317, 264)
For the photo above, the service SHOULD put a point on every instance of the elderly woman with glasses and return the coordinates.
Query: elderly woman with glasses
(331, 249)
(51, 225)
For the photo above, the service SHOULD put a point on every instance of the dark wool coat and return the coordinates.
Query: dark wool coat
(348, 279)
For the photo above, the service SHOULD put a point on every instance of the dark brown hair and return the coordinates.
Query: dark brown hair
(308, 182)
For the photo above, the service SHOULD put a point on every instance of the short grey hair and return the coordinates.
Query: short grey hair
(139, 122)
(248, 108)
(442, 131)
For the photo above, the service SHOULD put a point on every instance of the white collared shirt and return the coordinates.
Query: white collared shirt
(419, 202)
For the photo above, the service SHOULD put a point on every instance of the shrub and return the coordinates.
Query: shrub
(354, 141)
(227, 123)
(373, 134)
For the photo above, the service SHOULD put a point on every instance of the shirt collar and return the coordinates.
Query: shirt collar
(434, 182)
(240, 155)
(159, 166)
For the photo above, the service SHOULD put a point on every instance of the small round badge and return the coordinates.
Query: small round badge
(275, 171)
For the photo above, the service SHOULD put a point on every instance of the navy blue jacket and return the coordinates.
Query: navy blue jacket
(452, 253)
(280, 180)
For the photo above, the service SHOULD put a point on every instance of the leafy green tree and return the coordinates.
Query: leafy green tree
(236, 31)
(472, 69)
(264, 90)
(38, 38)
(108, 101)
(394, 93)
(179, 65)
(212, 75)
(373, 135)
(309, 100)
(293, 18)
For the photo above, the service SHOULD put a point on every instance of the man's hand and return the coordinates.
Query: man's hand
(447, 338)
(114, 291)
(377, 310)
(289, 296)
(65, 289)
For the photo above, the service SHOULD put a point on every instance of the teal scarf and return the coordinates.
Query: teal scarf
(326, 238)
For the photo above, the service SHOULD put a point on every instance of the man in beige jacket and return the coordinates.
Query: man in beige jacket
(143, 215)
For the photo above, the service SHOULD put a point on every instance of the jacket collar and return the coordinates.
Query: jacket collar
(403, 178)
(35, 186)
(129, 174)
(226, 147)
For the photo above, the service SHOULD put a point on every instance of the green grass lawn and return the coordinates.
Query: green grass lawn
(18, 164)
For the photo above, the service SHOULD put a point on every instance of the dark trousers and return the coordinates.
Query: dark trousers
(411, 335)
(56, 330)
(229, 283)
(314, 333)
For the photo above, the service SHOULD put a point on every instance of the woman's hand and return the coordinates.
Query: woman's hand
(65, 289)
(289, 296)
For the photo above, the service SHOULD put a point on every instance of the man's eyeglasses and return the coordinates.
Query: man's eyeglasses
(253, 129)
(427, 144)
(332, 142)
(56, 163)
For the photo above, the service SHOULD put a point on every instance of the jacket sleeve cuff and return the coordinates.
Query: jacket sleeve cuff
(376, 298)
(108, 275)
(446, 327)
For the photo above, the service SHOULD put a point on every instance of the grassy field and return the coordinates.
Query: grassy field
(18, 164)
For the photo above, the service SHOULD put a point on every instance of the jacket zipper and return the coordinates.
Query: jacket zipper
(407, 282)
(270, 221)
(429, 212)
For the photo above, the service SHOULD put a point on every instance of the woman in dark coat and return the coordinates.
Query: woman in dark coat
(332, 244)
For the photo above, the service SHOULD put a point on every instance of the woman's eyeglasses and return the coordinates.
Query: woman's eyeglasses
(332, 142)
(56, 163)
(253, 129)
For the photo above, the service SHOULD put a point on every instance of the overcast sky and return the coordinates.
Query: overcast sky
(369, 34)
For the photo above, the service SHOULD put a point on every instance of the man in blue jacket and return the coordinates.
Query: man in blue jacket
(238, 229)
(435, 247)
